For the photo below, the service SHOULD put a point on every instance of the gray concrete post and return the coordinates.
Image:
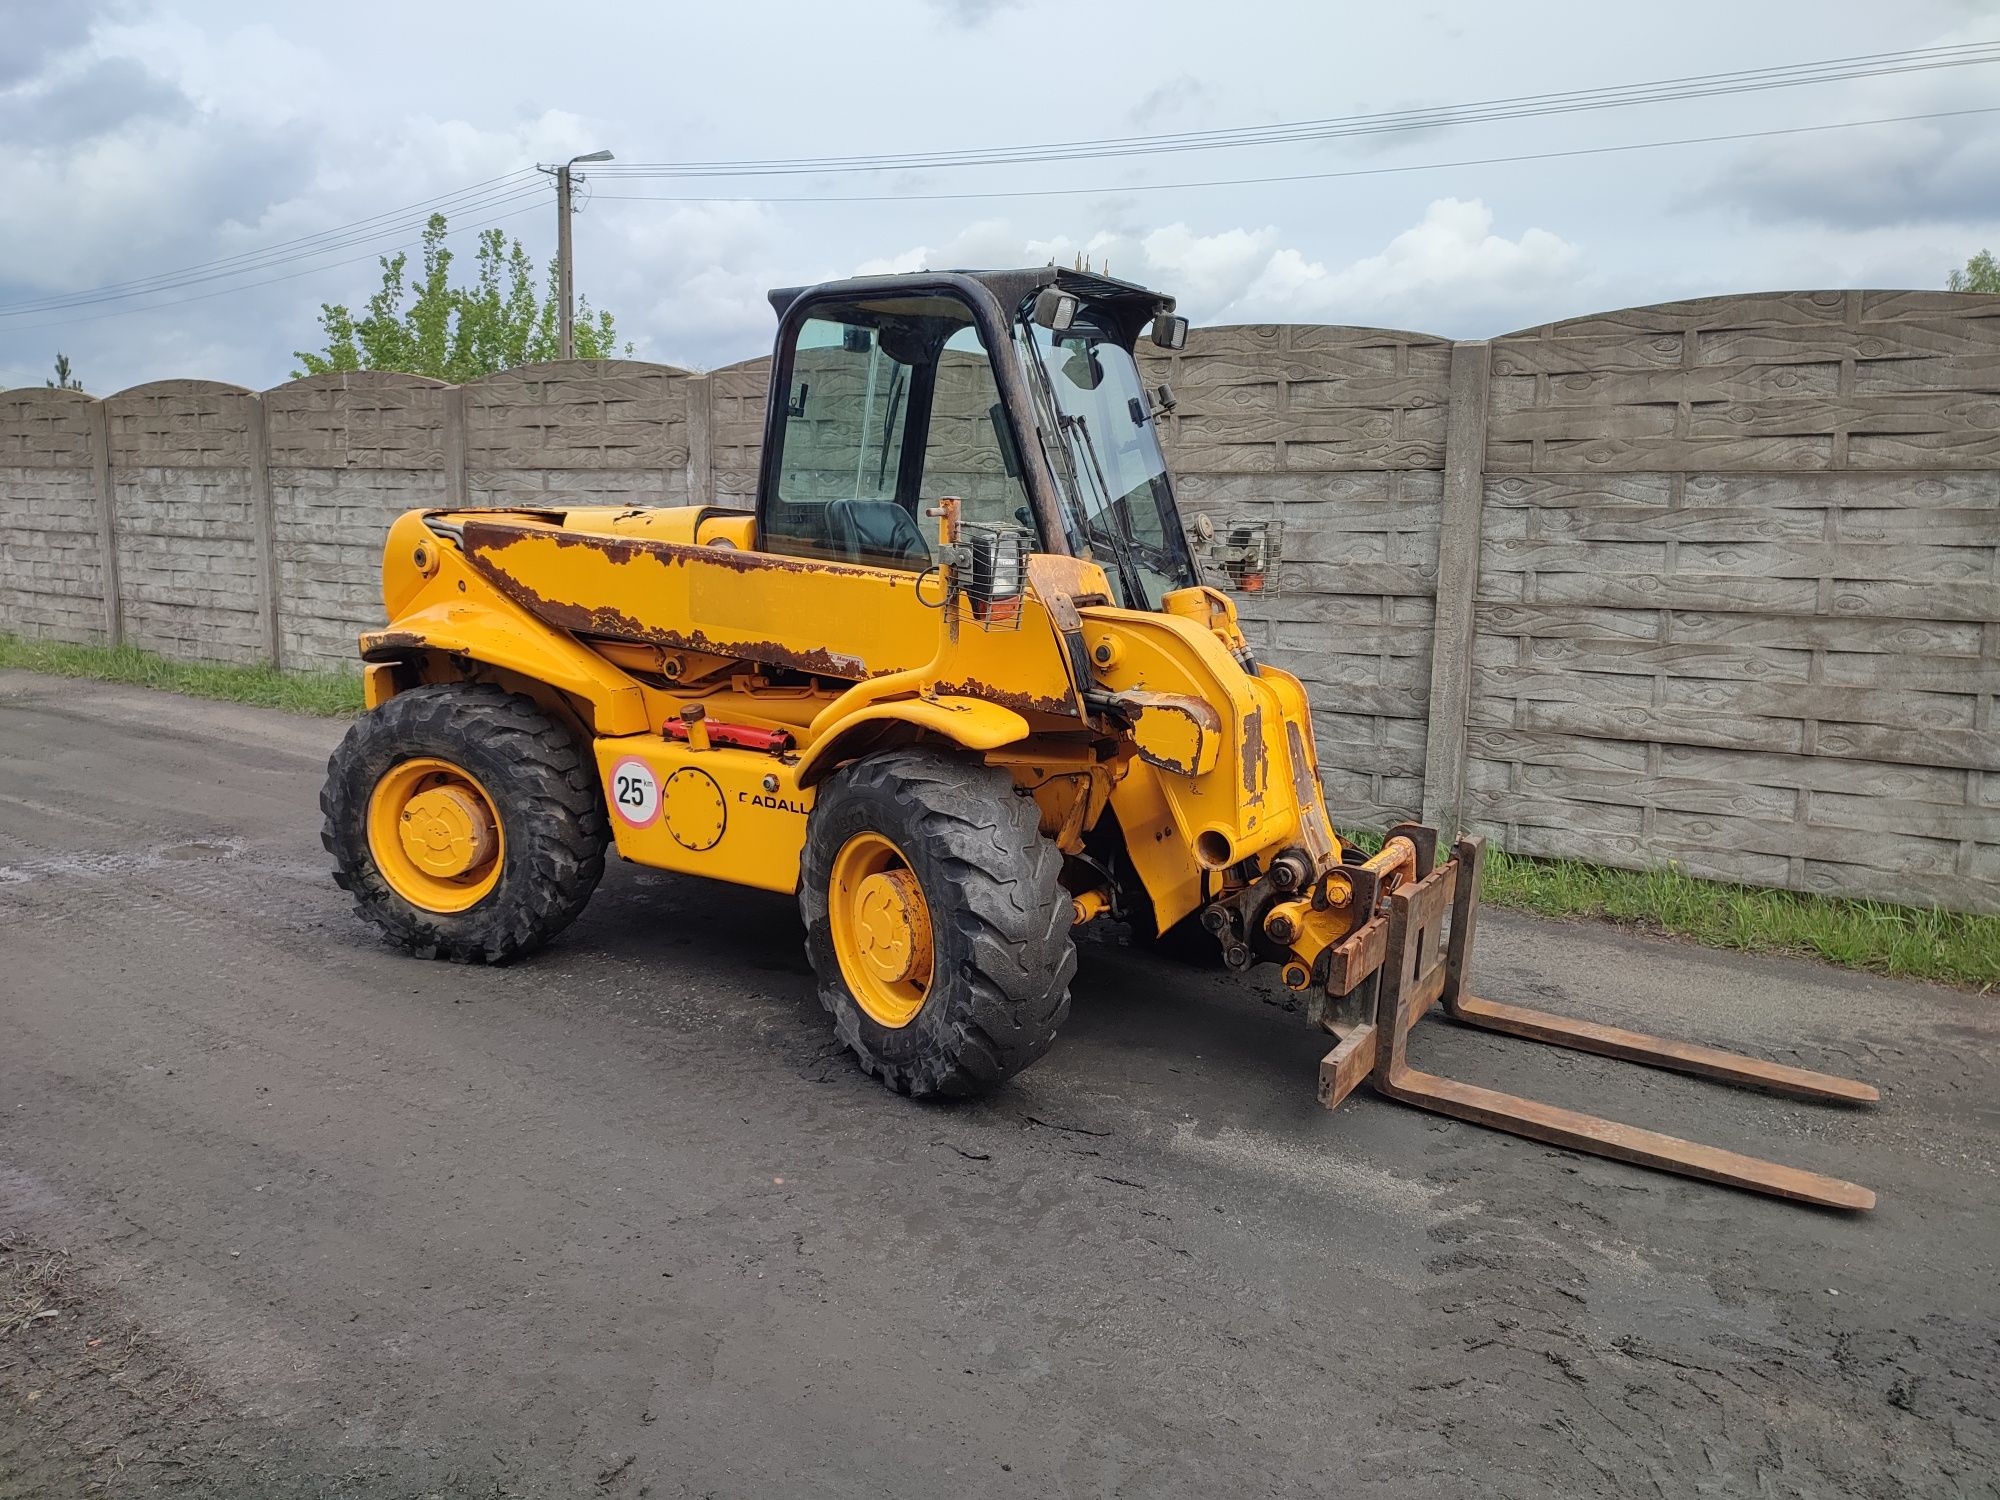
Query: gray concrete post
(263, 523)
(107, 523)
(700, 459)
(1457, 584)
(457, 482)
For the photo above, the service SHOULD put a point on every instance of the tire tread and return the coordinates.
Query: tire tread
(1011, 994)
(556, 825)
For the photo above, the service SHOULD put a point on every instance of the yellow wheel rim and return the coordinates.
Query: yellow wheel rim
(881, 929)
(435, 835)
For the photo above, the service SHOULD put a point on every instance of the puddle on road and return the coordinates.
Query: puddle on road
(114, 864)
(209, 849)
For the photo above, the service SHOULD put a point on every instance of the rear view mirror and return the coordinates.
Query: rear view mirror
(1054, 310)
(1083, 369)
(1170, 332)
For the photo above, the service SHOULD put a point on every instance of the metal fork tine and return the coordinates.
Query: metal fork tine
(1610, 1041)
(1609, 1138)
(1657, 1051)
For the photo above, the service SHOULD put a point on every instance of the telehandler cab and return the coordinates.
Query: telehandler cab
(961, 683)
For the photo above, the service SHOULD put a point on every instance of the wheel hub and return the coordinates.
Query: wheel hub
(881, 929)
(446, 831)
(894, 927)
(435, 835)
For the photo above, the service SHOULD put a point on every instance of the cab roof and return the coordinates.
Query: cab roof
(1011, 288)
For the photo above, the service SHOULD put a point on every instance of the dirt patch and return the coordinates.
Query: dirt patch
(93, 1404)
(88, 1404)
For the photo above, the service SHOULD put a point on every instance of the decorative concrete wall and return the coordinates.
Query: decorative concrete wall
(54, 524)
(1715, 581)
(1737, 593)
(1340, 434)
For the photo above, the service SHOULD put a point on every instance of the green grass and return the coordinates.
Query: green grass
(1955, 948)
(1946, 947)
(326, 693)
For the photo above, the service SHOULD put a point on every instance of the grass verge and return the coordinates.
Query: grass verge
(1955, 948)
(325, 693)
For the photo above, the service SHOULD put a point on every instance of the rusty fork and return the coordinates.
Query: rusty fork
(1423, 967)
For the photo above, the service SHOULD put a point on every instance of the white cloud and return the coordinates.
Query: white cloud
(1448, 273)
(693, 282)
(1927, 171)
(979, 246)
(972, 13)
(1449, 266)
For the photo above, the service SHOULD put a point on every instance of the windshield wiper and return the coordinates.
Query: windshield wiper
(1081, 427)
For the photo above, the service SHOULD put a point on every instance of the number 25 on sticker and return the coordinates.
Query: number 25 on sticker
(635, 792)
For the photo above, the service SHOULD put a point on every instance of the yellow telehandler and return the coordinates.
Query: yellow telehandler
(963, 683)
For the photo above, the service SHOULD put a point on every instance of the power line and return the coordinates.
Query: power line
(1429, 166)
(392, 223)
(122, 312)
(519, 187)
(1697, 86)
(383, 227)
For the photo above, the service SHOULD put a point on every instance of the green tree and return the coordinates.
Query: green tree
(64, 380)
(1981, 274)
(427, 326)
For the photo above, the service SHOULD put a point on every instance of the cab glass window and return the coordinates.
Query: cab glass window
(1110, 465)
(890, 405)
(969, 451)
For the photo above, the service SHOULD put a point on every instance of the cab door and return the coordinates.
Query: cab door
(880, 407)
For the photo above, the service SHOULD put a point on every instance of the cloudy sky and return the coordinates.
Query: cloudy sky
(141, 138)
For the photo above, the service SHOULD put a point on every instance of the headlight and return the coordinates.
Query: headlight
(996, 574)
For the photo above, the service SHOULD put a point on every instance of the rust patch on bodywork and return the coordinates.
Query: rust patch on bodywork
(1021, 703)
(496, 536)
(1152, 716)
(1060, 581)
(823, 619)
(388, 645)
(484, 541)
(1254, 766)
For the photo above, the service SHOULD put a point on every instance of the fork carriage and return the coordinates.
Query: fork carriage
(1417, 950)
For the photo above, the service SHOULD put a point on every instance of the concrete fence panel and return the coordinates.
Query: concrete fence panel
(1339, 433)
(184, 519)
(54, 524)
(609, 431)
(1738, 581)
(736, 395)
(348, 453)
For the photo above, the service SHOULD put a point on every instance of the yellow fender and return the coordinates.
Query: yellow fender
(439, 604)
(972, 723)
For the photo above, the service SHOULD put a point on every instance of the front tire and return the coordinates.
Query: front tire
(935, 922)
(466, 824)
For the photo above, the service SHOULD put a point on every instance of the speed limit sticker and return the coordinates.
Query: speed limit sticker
(635, 792)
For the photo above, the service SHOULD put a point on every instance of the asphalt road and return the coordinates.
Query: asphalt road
(619, 1220)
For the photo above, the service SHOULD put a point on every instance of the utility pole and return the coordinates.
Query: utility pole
(565, 283)
(565, 268)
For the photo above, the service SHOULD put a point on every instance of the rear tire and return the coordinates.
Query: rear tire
(528, 776)
(1000, 957)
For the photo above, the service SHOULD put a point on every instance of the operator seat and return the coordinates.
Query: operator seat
(877, 533)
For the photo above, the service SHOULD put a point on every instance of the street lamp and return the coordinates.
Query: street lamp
(565, 280)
